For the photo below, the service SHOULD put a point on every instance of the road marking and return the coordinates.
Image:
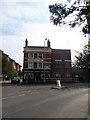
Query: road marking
(6, 86)
(21, 95)
(25, 92)
(13, 96)
(8, 97)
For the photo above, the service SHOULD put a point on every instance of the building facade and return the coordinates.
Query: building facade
(37, 64)
(42, 64)
(16, 66)
(3, 57)
(61, 63)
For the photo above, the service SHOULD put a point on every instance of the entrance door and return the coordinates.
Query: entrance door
(37, 76)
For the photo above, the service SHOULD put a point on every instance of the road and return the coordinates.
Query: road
(39, 101)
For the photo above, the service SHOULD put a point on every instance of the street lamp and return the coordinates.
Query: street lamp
(44, 57)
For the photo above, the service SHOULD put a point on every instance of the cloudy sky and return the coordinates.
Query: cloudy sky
(31, 19)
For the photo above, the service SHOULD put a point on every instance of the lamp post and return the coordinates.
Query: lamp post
(44, 58)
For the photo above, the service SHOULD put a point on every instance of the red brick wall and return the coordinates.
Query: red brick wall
(60, 55)
(48, 57)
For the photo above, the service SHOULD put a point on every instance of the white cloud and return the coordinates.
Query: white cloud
(13, 46)
(61, 38)
(21, 1)
(14, 15)
(32, 22)
(56, 1)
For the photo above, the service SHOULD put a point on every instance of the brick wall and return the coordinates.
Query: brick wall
(61, 63)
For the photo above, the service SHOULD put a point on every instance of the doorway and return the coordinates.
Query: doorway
(37, 77)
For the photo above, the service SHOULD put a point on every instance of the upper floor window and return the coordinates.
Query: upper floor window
(30, 65)
(30, 55)
(35, 55)
(35, 65)
(25, 54)
(58, 63)
(67, 63)
(40, 55)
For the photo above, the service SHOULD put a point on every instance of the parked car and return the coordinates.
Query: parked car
(15, 80)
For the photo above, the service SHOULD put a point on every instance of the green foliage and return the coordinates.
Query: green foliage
(88, 45)
(80, 12)
(20, 74)
(7, 69)
(82, 62)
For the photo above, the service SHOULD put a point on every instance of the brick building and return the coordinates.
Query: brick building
(37, 63)
(40, 64)
(16, 66)
(61, 63)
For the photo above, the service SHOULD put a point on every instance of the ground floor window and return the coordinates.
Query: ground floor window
(37, 76)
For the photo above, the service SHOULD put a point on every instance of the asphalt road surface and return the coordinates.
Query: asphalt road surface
(39, 101)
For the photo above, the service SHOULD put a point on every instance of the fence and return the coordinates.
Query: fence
(64, 81)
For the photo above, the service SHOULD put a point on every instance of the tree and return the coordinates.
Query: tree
(80, 12)
(7, 69)
(20, 74)
(81, 17)
(82, 63)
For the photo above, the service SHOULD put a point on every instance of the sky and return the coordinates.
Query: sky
(30, 19)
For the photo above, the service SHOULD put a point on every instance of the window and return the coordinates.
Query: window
(35, 65)
(30, 55)
(40, 55)
(25, 54)
(39, 65)
(67, 75)
(46, 65)
(58, 63)
(35, 55)
(30, 65)
(67, 63)
(31, 75)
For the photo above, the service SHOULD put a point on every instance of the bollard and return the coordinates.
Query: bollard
(58, 83)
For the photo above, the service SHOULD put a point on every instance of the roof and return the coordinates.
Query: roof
(36, 47)
(61, 49)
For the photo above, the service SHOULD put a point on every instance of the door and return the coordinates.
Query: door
(37, 76)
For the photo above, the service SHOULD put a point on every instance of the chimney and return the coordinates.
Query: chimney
(48, 43)
(26, 43)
